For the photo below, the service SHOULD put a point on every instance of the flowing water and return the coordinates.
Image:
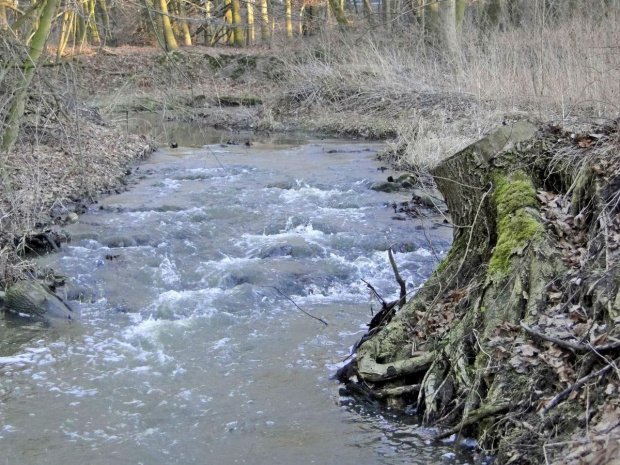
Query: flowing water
(185, 351)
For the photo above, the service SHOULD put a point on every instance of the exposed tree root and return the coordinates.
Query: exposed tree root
(525, 305)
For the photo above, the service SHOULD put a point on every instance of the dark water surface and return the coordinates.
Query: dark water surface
(184, 353)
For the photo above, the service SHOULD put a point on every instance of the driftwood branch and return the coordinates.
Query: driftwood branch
(374, 291)
(377, 372)
(566, 344)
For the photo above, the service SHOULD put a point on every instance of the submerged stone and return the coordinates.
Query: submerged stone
(35, 300)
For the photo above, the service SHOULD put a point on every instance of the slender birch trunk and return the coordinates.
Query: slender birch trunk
(92, 23)
(67, 22)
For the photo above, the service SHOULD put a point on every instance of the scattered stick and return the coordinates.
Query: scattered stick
(576, 346)
(374, 291)
(298, 307)
(566, 344)
(565, 393)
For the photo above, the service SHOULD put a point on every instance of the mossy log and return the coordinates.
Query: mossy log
(501, 265)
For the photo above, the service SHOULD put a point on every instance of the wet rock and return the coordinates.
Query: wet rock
(234, 279)
(72, 218)
(385, 187)
(80, 294)
(422, 197)
(408, 178)
(278, 251)
(405, 247)
(35, 300)
(284, 185)
(120, 241)
(47, 240)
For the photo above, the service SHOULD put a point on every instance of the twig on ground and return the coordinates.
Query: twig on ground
(576, 346)
(562, 395)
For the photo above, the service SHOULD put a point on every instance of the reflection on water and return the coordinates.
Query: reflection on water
(184, 352)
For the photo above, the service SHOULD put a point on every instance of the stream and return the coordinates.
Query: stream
(185, 349)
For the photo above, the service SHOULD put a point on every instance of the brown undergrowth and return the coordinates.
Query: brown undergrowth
(58, 166)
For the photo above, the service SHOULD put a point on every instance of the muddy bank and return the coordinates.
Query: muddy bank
(514, 339)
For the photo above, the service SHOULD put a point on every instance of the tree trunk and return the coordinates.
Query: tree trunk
(251, 32)
(289, 19)
(238, 36)
(447, 27)
(187, 35)
(341, 17)
(264, 21)
(171, 42)
(460, 15)
(495, 275)
(493, 13)
(208, 29)
(92, 23)
(4, 21)
(105, 13)
(368, 11)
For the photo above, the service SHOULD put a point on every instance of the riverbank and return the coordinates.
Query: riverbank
(56, 170)
(514, 338)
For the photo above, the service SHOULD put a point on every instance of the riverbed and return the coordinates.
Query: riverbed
(190, 346)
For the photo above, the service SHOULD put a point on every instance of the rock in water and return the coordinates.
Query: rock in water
(34, 299)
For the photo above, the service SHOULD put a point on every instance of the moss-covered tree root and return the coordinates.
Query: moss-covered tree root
(483, 375)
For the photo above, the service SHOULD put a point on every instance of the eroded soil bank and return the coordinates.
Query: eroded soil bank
(514, 339)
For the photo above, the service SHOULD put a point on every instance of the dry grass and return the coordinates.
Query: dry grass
(568, 72)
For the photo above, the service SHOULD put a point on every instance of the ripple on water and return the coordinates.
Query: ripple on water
(187, 351)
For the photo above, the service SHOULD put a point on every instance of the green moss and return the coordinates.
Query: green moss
(512, 194)
(514, 233)
(515, 225)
